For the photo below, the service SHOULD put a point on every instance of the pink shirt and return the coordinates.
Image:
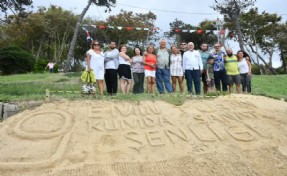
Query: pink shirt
(51, 65)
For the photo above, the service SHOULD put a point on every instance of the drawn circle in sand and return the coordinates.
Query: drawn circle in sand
(43, 124)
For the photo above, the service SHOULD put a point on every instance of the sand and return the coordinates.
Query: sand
(230, 135)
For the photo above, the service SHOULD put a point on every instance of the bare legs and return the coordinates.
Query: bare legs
(150, 84)
(125, 85)
(101, 86)
(237, 88)
(180, 82)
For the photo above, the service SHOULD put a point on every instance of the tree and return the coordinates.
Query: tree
(106, 3)
(44, 33)
(203, 35)
(261, 36)
(232, 10)
(14, 60)
(15, 7)
(129, 20)
(281, 39)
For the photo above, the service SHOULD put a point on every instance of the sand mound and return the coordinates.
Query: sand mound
(231, 135)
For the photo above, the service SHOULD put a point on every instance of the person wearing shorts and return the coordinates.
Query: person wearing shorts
(149, 61)
(124, 70)
(232, 71)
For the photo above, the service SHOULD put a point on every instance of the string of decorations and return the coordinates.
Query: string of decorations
(177, 30)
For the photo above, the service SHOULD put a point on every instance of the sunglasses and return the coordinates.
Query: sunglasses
(96, 44)
(183, 44)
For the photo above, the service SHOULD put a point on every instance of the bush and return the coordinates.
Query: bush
(14, 60)
(40, 65)
(255, 70)
(280, 70)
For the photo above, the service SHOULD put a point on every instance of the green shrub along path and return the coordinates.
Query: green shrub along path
(29, 87)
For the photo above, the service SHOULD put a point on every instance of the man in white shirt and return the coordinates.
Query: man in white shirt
(192, 67)
(111, 67)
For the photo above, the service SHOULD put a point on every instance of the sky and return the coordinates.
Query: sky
(189, 11)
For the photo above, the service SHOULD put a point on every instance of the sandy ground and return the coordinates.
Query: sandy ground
(231, 135)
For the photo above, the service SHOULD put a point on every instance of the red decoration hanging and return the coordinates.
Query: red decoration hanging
(129, 28)
(199, 31)
(102, 27)
(154, 29)
(177, 30)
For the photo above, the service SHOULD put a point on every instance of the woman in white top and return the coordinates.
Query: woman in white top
(124, 70)
(176, 70)
(244, 67)
(95, 62)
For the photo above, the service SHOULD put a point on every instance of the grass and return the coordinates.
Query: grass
(30, 87)
(33, 86)
(270, 86)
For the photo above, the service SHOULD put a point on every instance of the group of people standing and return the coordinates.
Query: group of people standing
(162, 65)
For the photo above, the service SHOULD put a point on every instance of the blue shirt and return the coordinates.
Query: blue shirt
(218, 60)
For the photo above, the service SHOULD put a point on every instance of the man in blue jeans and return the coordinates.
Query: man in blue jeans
(193, 67)
(219, 69)
(162, 70)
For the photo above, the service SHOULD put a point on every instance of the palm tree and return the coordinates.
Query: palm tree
(106, 3)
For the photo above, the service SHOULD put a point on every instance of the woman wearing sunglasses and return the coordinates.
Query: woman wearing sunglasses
(95, 62)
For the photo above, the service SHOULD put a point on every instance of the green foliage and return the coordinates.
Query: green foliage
(125, 19)
(45, 33)
(39, 66)
(255, 70)
(196, 38)
(280, 70)
(17, 7)
(14, 60)
(130, 52)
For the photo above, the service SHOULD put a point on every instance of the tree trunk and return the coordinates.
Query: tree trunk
(59, 46)
(262, 59)
(240, 40)
(255, 42)
(73, 42)
(253, 61)
(283, 60)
